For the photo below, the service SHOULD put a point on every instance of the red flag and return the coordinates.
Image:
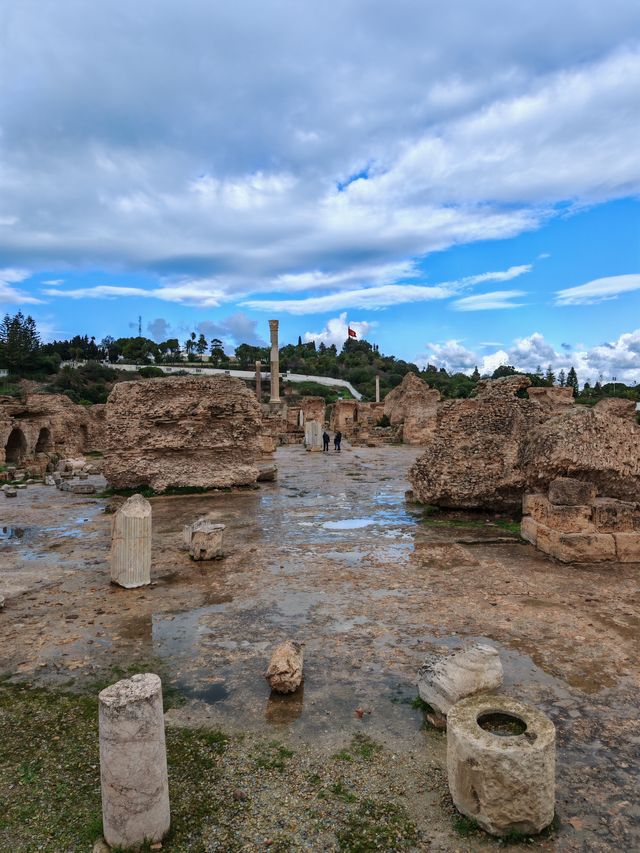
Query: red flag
(352, 334)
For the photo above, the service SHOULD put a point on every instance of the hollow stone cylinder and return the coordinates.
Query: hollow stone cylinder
(131, 543)
(502, 776)
(133, 762)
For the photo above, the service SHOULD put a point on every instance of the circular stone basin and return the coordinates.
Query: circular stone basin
(502, 724)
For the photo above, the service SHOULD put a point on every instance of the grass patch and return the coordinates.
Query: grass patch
(339, 790)
(376, 825)
(273, 756)
(343, 755)
(465, 826)
(364, 747)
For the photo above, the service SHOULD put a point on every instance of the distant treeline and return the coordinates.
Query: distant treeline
(359, 362)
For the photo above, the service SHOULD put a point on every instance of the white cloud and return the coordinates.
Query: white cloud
(619, 358)
(9, 294)
(336, 331)
(167, 167)
(598, 290)
(495, 300)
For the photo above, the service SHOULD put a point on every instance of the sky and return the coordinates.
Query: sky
(458, 181)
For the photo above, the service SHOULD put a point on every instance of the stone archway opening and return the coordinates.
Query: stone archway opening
(45, 442)
(16, 447)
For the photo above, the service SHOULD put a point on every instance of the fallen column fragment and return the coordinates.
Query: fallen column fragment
(133, 762)
(131, 543)
(284, 672)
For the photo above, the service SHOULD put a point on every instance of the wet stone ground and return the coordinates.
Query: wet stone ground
(332, 556)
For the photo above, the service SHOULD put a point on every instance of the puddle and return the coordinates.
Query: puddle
(7, 533)
(349, 524)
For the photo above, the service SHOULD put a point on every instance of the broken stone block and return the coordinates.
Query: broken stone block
(501, 764)
(49, 481)
(21, 486)
(284, 672)
(10, 492)
(567, 491)
(133, 762)
(445, 679)
(627, 547)
(131, 543)
(613, 516)
(1, 602)
(82, 475)
(78, 488)
(267, 473)
(206, 541)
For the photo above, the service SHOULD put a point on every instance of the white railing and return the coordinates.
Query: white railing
(189, 367)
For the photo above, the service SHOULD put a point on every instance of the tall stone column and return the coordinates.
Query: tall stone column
(131, 543)
(133, 762)
(377, 389)
(275, 362)
(259, 381)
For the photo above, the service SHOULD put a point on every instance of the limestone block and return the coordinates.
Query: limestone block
(313, 435)
(1, 602)
(566, 519)
(612, 516)
(206, 542)
(21, 486)
(284, 672)
(82, 475)
(529, 529)
(506, 782)
(78, 488)
(445, 679)
(133, 762)
(267, 473)
(627, 547)
(131, 543)
(570, 492)
(10, 492)
(585, 548)
(49, 481)
(547, 540)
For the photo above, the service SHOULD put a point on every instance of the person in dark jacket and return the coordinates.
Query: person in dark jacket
(336, 441)
(325, 441)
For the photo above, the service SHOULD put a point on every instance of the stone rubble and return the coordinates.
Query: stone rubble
(284, 672)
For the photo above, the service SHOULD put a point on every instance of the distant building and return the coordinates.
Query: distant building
(3, 372)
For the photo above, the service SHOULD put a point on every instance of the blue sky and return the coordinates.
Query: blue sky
(459, 193)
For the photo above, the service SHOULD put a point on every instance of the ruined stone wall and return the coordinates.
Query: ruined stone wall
(43, 425)
(182, 431)
(413, 406)
(486, 450)
(573, 525)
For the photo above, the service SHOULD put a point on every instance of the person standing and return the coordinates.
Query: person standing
(325, 441)
(336, 441)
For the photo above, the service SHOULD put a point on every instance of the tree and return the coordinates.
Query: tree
(549, 376)
(217, 351)
(476, 374)
(562, 379)
(19, 344)
(201, 345)
(572, 381)
(503, 370)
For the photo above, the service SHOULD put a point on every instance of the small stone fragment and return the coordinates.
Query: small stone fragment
(445, 680)
(267, 473)
(284, 672)
(205, 540)
(10, 492)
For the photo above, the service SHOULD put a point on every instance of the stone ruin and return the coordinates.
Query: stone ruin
(411, 408)
(42, 427)
(182, 431)
(573, 525)
(486, 451)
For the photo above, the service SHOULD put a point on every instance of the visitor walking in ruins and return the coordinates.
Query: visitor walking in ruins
(336, 441)
(325, 441)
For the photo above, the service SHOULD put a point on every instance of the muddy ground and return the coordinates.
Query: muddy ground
(333, 556)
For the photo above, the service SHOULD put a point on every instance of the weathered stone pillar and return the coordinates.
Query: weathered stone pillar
(131, 543)
(275, 362)
(133, 762)
(284, 672)
(377, 389)
(313, 435)
(259, 381)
